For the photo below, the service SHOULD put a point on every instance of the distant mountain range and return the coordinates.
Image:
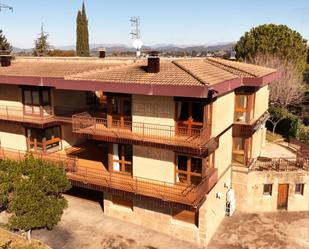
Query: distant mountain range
(163, 48)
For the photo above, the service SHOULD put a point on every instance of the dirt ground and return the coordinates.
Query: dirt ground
(282, 230)
(84, 226)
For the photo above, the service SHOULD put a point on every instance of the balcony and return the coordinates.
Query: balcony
(37, 116)
(181, 139)
(247, 129)
(102, 180)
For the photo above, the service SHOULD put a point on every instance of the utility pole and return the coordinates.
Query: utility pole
(136, 34)
(4, 6)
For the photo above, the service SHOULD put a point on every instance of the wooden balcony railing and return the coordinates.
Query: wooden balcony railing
(38, 114)
(191, 195)
(278, 164)
(69, 162)
(19, 113)
(84, 123)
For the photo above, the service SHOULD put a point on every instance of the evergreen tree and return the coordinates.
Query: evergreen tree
(82, 33)
(274, 41)
(79, 47)
(33, 189)
(4, 44)
(41, 45)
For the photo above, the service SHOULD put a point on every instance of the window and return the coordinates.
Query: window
(121, 106)
(189, 118)
(122, 158)
(267, 189)
(190, 112)
(34, 99)
(185, 216)
(44, 139)
(239, 150)
(241, 102)
(91, 98)
(299, 189)
(188, 170)
(45, 97)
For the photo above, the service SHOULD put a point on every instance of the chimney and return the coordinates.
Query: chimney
(102, 53)
(5, 60)
(153, 62)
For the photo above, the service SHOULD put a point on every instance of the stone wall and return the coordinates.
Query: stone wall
(152, 216)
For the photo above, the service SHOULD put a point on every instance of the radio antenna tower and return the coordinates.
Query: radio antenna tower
(136, 34)
(4, 6)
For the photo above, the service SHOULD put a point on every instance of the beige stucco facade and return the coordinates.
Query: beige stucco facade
(222, 113)
(153, 115)
(70, 99)
(261, 101)
(10, 96)
(153, 163)
(13, 137)
(258, 142)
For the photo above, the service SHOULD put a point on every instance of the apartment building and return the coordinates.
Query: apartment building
(164, 140)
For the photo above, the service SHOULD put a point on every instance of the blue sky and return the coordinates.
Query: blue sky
(162, 21)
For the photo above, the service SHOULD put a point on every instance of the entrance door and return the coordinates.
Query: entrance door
(283, 192)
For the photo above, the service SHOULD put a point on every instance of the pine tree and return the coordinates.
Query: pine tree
(82, 39)
(41, 45)
(5, 46)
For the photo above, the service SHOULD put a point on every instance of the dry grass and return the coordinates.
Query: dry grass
(11, 241)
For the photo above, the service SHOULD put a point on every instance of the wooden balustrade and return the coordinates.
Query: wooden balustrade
(191, 195)
(40, 115)
(84, 123)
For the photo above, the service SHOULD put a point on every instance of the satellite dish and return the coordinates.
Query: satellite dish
(137, 44)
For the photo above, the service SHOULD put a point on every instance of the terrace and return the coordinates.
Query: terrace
(180, 138)
(280, 157)
(37, 115)
(86, 172)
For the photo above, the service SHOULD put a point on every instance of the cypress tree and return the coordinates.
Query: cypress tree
(82, 41)
(85, 31)
(79, 47)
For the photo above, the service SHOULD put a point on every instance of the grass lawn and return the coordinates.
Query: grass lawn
(17, 242)
(270, 137)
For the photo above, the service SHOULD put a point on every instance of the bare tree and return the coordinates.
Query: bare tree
(290, 88)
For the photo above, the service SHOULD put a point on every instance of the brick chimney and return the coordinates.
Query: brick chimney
(5, 60)
(102, 53)
(153, 62)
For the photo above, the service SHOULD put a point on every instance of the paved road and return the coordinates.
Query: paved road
(84, 226)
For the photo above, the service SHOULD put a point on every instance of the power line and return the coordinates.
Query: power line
(4, 6)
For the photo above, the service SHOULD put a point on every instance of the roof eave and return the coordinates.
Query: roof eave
(262, 81)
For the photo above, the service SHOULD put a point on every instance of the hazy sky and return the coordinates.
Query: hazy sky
(162, 21)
